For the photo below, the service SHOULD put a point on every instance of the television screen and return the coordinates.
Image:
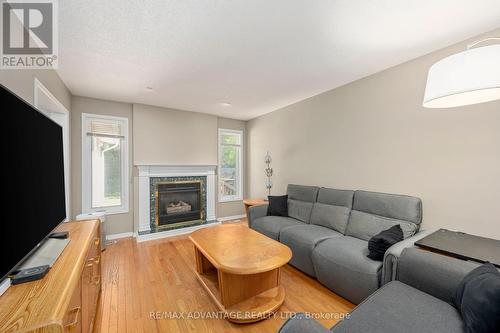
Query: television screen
(33, 200)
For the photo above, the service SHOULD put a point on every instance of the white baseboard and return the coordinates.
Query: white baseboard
(229, 218)
(118, 236)
(172, 233)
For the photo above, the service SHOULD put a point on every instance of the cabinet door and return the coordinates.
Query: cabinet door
(73, 318)
(86, 294)
(91, 284)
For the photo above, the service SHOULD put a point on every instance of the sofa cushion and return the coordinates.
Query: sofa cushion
(302, 192)
(364, 225)
(300, 210)
(332, 208)
(335, 197)
(433, 273)
(302, 323)
(380, 243)
(278, 205)
(478, 299)
(302, 239)
(272, 225)
(300, 201)
(341, 263)
(399, 207)
(397, 307)
(330, 216)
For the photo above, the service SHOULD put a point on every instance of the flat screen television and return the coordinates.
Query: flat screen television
(33, 200)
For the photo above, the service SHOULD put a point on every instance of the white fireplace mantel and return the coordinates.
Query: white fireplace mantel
(145, 172)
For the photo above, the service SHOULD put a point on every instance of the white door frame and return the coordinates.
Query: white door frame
(59, 114)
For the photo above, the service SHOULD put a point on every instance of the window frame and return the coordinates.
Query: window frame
(239, 170)
(86, 155)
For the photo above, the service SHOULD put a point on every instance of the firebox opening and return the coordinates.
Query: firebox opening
(178, 202)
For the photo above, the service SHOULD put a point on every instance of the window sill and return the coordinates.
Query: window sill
(111, 211)
(231, 199)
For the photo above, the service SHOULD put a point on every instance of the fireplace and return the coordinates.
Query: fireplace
(151, 176)
(177, 202)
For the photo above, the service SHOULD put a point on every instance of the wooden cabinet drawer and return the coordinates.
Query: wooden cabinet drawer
(73, 318)
(74, 279)
(91, 283)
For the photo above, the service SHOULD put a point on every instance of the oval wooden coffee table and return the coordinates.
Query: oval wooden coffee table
(240, 268)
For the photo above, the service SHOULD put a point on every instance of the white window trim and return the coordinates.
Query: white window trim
(87, 167)
(239, 195)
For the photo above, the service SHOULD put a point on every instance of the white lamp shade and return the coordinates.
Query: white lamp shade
(465, 78)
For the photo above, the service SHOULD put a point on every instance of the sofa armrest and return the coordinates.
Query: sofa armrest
(433, 273)
(391, 256)
(255, 212)
(300, 323)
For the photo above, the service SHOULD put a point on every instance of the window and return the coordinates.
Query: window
(230, 165)
(104, 164)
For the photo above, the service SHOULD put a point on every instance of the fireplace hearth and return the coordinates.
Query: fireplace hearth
(177, 202)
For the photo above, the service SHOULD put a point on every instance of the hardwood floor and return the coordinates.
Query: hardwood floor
(157, 276)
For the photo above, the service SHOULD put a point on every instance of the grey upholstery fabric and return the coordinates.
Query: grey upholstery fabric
(397, 307)
(364, 225)
(302, 192)
(301, 324)
(335, 197)
(435, 274)
(300, 210)
(399, 207)
(302, 239)
(391, 257)
(272, 225)
(332, 208)
(341, 264)
(256, 212)
(300, 201)
(330, 216)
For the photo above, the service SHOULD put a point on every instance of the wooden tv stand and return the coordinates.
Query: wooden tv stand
(65, 300)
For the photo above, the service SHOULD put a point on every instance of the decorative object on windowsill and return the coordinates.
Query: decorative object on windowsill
(465, 78)
(269, 173)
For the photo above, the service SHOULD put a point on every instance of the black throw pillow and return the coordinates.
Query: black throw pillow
(478, 299)
(378, 244)
(278, 205)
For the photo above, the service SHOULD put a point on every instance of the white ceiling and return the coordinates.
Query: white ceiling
(259, 55)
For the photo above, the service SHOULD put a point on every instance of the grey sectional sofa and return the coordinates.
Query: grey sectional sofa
(328, 232)
(418, 301)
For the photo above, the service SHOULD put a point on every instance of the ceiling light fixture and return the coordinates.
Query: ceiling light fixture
(465, 78)
(148, 88)
(225, 104)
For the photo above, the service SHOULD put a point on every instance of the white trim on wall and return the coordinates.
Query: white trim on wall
(146, 172)
(239, 194)
(229, 218)
(119, 235)
(87, 170)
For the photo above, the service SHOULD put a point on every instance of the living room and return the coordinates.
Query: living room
(281, 166)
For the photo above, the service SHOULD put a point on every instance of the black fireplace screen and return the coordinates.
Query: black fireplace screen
(178, 202)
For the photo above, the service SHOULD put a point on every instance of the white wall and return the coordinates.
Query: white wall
(374, 134)
(170, 137)
(234, 208)
(21, 82)
(116, 223)
(174, 137)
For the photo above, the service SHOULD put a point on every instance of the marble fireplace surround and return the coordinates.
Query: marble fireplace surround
(146, 172)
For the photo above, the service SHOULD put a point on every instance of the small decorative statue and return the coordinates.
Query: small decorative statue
(269, 172)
